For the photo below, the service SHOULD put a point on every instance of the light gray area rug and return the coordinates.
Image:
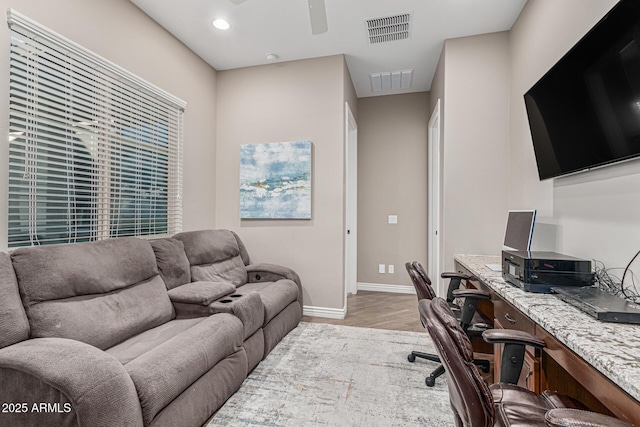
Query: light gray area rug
(328, 375)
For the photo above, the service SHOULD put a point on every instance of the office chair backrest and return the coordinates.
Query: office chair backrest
(424, 290)
(421, 271)
(469, 394)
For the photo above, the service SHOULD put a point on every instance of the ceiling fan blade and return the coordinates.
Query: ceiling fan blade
(237, 1)
(318, 16)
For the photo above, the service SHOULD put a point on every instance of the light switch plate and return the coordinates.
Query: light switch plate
(391, 269)
(393, 219)
(381, 268)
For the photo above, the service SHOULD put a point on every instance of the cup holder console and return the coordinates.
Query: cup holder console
(228, 299)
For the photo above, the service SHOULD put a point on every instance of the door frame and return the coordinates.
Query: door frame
(351, 204)
(434, 266)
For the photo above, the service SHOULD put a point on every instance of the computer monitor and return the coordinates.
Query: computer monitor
(517, 236)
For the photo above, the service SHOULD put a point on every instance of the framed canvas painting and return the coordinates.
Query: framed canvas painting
(275, 180)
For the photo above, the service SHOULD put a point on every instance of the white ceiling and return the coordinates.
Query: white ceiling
(282, 27)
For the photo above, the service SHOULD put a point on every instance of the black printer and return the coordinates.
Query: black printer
(540, 271)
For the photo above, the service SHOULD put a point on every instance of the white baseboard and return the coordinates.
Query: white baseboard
(381, 287)
(340, 313)
(329, 313)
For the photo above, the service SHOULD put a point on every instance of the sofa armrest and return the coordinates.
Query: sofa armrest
(513, 351)
(271, 273)
(95, 386)
(200, 293)
(563, 417)
(264, 272)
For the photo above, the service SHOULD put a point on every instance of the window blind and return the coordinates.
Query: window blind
(94, 151)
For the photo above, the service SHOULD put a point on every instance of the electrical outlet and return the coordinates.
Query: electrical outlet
(391, 269)
(381, 268)
(393, 219)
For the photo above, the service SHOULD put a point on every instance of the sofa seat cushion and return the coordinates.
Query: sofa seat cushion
(146, 341)
(275, 296)
(200, 293)
(281, 325)
(173, 263)
(162, 373)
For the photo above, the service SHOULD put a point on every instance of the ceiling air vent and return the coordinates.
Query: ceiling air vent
(391, 80)
(391, 28)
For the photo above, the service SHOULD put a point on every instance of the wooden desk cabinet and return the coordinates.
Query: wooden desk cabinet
(556, 367)
(506, 316)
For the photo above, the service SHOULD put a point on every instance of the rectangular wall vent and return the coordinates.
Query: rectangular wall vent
(388, 29)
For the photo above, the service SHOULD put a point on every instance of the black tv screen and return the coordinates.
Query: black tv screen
(585, 111)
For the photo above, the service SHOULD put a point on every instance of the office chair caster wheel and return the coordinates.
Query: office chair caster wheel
(411, 357)
(430, 381)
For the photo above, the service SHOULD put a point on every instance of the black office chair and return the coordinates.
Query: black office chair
(476, 404)
(455, 280)
(472, 322)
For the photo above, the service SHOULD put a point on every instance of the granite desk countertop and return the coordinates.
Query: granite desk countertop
(611, 348)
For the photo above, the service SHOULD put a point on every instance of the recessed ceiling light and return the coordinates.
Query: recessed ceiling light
(221, 24)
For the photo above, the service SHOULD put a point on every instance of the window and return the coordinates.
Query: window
(94, 151)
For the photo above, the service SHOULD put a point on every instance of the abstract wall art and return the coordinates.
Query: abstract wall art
(275, 180)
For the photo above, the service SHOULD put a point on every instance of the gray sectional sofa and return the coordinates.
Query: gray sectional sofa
(131, 332)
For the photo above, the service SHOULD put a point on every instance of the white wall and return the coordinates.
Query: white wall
(290, 101)
(392, 180)
(596, 214)
(475, 77)
(120, 32)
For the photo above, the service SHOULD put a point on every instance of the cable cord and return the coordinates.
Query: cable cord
(632, 279)
(611, 283)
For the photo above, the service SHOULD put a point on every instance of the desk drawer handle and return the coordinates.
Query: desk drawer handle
(509, 318)
(526, 380)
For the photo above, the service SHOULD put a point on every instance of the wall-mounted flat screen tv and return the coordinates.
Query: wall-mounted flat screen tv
(585, 111)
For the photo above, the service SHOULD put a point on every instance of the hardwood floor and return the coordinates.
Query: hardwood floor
(378, 310)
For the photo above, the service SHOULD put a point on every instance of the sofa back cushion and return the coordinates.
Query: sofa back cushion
(231, 270)
(13, 319)
(172, 261)
(244, 254)
(100, 293)
(214, 255)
